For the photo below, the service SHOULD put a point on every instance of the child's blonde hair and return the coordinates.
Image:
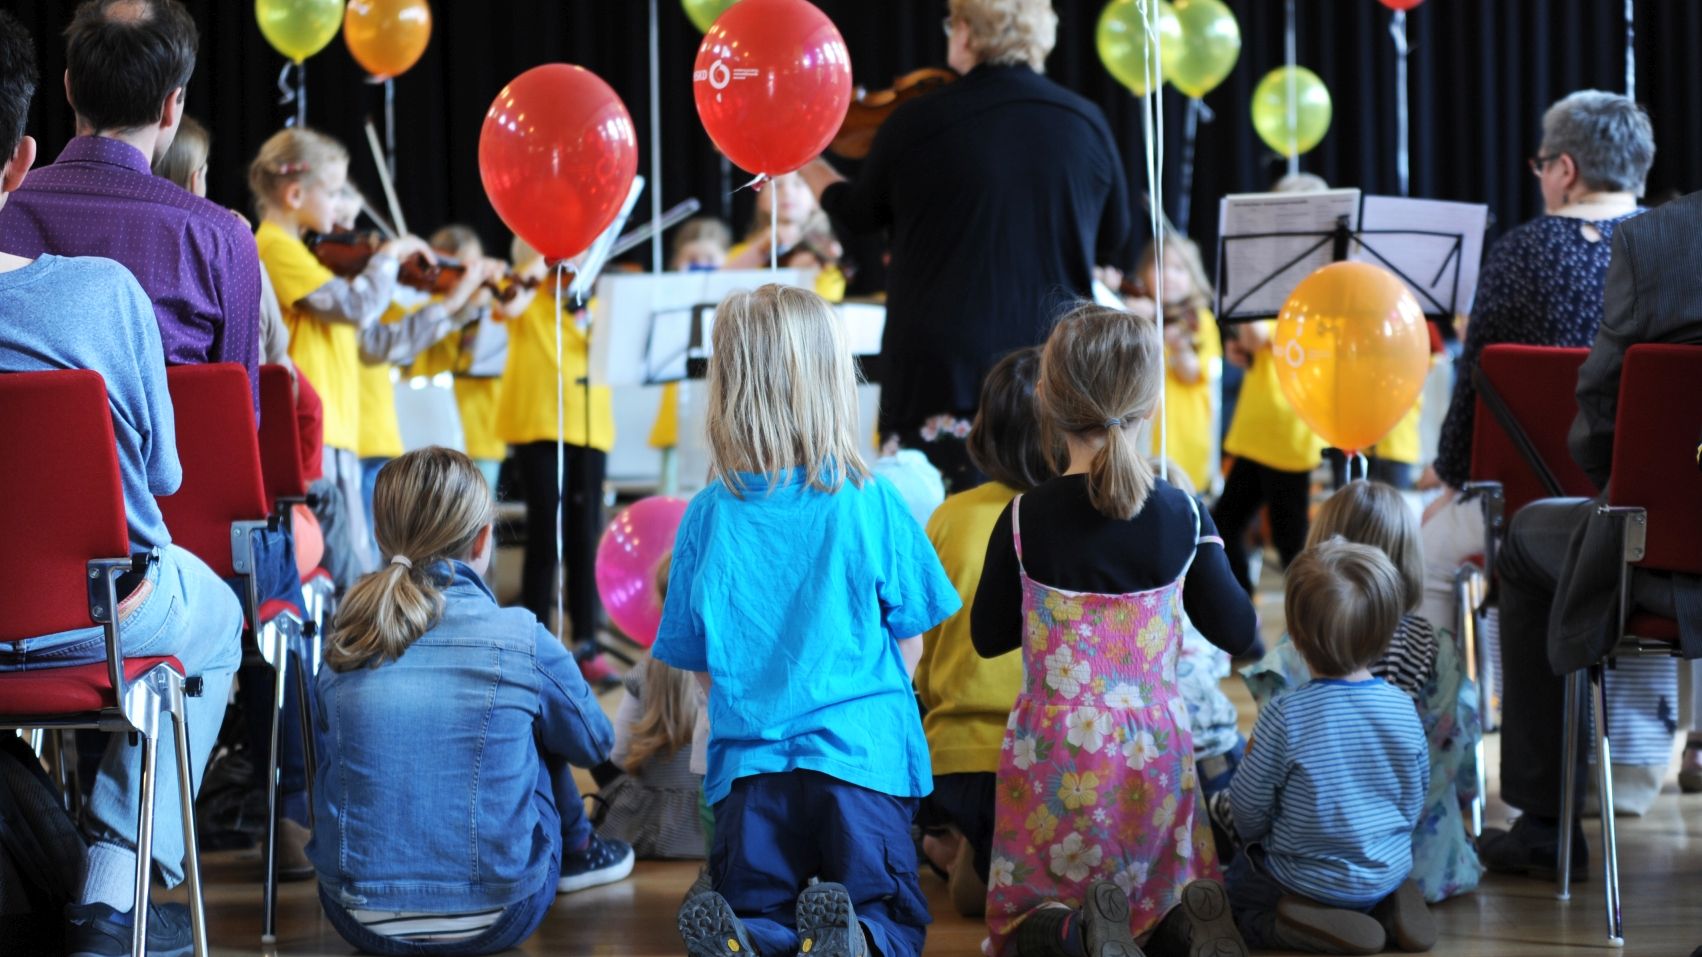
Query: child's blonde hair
(456, 238)
(295, 155)
(1199, 297)
(1102, 373)
(187, 154)
(1371, 513)
(428, 506)
(1342, 605)
(782, 391)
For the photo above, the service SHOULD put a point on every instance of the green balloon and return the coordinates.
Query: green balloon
(1311, 110)
(299, 28)
(1122, 41)
(703, 13)
(1211, 43)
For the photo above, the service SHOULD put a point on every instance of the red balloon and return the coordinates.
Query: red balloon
(1400, 4)
(773, 82)
(557, 156)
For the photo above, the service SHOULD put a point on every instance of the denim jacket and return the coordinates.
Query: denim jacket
(429, 774)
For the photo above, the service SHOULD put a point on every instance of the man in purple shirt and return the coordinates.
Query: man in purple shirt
(127, 63)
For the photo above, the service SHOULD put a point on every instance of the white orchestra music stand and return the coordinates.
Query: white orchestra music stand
(1269, 242)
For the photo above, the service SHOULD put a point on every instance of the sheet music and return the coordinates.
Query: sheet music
(1438, 249)
(1271, 241)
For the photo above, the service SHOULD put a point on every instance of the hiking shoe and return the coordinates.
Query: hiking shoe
(98, 930)
(1532, 848)
(1305, 924)
(710, 929)
(827, 923)
(602, 861)
(1406, 919)
(703, 884)
(1199, 925)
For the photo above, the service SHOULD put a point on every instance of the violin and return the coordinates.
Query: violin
(869, 110)
(347, 253)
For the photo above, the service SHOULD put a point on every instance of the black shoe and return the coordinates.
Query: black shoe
(1406, 919)
(827, 923)
(1532, 848)
(98, 930)
(1305, 924)
(1200, 925)
(710, 929)
(1105, 922)
(603, 861)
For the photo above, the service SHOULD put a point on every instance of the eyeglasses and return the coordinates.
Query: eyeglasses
(1539, 163)
(945, 24)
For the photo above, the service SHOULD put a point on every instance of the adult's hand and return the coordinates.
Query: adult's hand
(818, 176)
(1443, 501)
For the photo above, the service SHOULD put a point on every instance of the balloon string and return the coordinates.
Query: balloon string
(561, 453)
(773, 227)
(1152, 121)
(1403, 163)
(287, 92)
(1290, 56)
(1630, 49)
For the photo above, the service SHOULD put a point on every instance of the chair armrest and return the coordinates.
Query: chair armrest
(1493, 503)
(103, 609)
(1634, 529)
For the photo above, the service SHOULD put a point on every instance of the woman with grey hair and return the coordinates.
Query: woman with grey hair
(1541, 285)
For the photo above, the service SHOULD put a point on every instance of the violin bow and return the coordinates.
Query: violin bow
(384, 178)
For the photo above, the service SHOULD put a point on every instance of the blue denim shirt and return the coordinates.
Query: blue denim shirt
(429, 780)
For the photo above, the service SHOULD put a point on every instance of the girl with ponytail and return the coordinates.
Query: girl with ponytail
(1112, 844)
(446, 817)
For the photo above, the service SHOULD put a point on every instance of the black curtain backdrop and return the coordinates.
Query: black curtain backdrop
(1482, 72)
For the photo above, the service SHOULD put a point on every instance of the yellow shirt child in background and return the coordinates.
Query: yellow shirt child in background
(1193, 357)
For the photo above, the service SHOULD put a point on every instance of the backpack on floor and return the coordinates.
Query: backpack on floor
(41, 854)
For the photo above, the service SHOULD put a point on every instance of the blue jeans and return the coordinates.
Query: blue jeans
(191, 615)
(1253, 897)
(773, 832)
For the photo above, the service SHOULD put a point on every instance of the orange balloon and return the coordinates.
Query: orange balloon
(1351, 353)
(387, 37)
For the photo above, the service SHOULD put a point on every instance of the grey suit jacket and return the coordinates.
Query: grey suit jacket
(1653, 294)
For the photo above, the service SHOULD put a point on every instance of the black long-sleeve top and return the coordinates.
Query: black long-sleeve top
(1067, 543)
(1001, 191)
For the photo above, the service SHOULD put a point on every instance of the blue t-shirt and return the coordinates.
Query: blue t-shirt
(793, 600)
(89, 313)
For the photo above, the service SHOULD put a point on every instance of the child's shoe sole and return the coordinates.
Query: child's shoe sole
(827, 923)
(1105, 922)
(1407, 920)
(710, 929)
(1303, 924)
(1200, 925)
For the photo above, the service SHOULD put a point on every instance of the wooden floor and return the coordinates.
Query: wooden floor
(1660, 861)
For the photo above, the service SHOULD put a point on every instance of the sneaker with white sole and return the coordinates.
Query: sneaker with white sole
(601, 861)
(98, 930)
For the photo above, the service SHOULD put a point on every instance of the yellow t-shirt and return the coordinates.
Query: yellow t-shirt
(328, 353)
(968, 698)
(1190, 409)
(380, 435)
(664, 434)
(526, 411)
(1402, 442)
(475, 398)
(1266, 429)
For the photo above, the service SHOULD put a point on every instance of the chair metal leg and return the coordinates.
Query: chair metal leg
(186, 795)
(1576, 684)
(1467, 587)
(1610, 849)
(280, 665)
(145, 838)
(304, 712)
(38, 741)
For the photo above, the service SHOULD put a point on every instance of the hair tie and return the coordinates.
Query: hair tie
(1113, 422)
(402, 560)
(288, 169)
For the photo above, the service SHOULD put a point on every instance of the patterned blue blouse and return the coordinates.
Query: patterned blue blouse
(1541, 285)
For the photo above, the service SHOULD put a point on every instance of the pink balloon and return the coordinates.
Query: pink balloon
(632, 547)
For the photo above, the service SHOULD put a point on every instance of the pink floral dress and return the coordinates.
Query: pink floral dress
(1096, 777)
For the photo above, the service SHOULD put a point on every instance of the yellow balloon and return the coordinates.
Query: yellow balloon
(299, 28)
(1311, 110)
(1211, 43)
(703, 13)
(1122, 41)
(1351, 353)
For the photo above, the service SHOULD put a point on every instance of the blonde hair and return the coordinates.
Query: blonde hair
(1371, 513)
(1200, 296)
(1009, 32)
(782, 391)
(1101, 374)
(669, 717)
(455, 238)
(187, 154)
(295, 155)
(706, 229)
(1342, 605)
(429, 506)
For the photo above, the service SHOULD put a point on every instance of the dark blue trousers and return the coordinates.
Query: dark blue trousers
(773, 832)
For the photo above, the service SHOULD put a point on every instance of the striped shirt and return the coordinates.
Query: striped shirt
(1332, 786)
(1410, 661)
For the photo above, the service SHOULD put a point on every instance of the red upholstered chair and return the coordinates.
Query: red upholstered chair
(214, 515)
(1656, 496)
(286, 482)
(64, 542)
(1536, 385)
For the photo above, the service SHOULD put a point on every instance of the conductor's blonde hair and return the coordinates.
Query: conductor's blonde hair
(782, 391)
(1009, 32)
